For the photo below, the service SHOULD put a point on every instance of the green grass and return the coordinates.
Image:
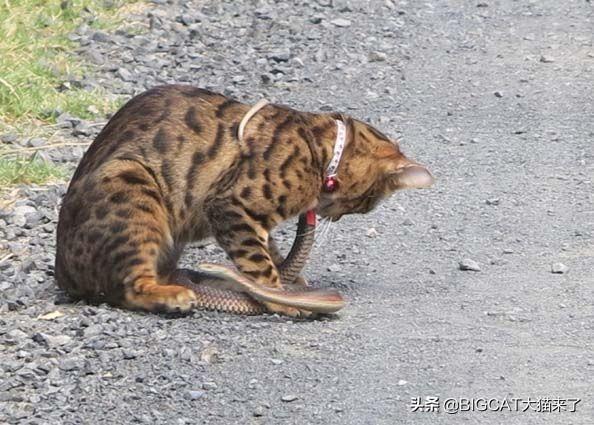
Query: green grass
(28, 171)
(36, 58)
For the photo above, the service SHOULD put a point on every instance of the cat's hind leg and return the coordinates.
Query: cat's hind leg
(133, 248)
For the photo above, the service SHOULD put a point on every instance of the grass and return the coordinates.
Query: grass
(28, 171)
(36, 58)
(37, 63)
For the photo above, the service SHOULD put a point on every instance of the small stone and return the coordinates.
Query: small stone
(508, 251)
(35, 142)
(67, 121)
(280, 56)
(559, 268)
(92, 331)
(492, 201)
(194, 394)
(258, 411)
(187, 20)
(8, 138)
(478, 350)
(402, 382)
(498, 94)
(26, 373)
(371, 232)
(125, 75)
(482, 4)
(58, 340)
(51, 316)
(334, 268)
(377, 57)
(101, 37)
(19, 214)
(71, 363)
(50, 340)
(82, 129)
(209, 385)
(340, 22)
(16, 335)
(185, 354)
(209, 355)
(289, 398)
(546, 59)
(469, 265)
(28, 265)
(129, 354)
(95, 56)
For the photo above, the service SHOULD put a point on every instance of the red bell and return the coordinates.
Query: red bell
(330, 184)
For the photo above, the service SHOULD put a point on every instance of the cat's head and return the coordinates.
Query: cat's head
(371, 169)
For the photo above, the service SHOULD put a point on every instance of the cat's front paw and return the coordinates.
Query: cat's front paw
(287, 311)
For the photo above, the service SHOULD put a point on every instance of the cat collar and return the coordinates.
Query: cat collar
(253, 111)
(330, 181)
(310, 215)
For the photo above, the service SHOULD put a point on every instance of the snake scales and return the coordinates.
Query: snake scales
(222, 289)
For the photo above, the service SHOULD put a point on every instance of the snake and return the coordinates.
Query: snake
(222, 289)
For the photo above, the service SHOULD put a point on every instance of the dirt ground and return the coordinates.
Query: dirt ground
(497, 98)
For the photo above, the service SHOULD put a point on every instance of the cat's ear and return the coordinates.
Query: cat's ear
(412, 176)
(402, 173)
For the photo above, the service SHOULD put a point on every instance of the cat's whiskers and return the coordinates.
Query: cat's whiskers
(321, 236)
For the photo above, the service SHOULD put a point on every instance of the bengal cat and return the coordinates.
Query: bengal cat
(169, 169)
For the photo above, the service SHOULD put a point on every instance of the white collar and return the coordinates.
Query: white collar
(339, 145)
(253, 111)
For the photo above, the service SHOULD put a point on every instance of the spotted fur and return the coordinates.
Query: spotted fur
(168, 169)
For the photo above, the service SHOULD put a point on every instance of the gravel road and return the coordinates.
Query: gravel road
(496, 97)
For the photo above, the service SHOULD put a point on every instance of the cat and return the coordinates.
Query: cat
(169, 169)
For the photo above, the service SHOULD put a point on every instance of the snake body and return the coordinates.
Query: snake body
(222, 289)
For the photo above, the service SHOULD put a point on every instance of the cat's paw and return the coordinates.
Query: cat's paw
(287, 311)
(162, 298)
(184, 301)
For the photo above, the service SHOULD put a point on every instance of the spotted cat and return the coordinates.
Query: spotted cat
(169, 168)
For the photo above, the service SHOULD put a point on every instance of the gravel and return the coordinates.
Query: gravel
(514, 189)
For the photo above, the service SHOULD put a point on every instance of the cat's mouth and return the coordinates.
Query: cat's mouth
(328, 210)
(324, 210)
